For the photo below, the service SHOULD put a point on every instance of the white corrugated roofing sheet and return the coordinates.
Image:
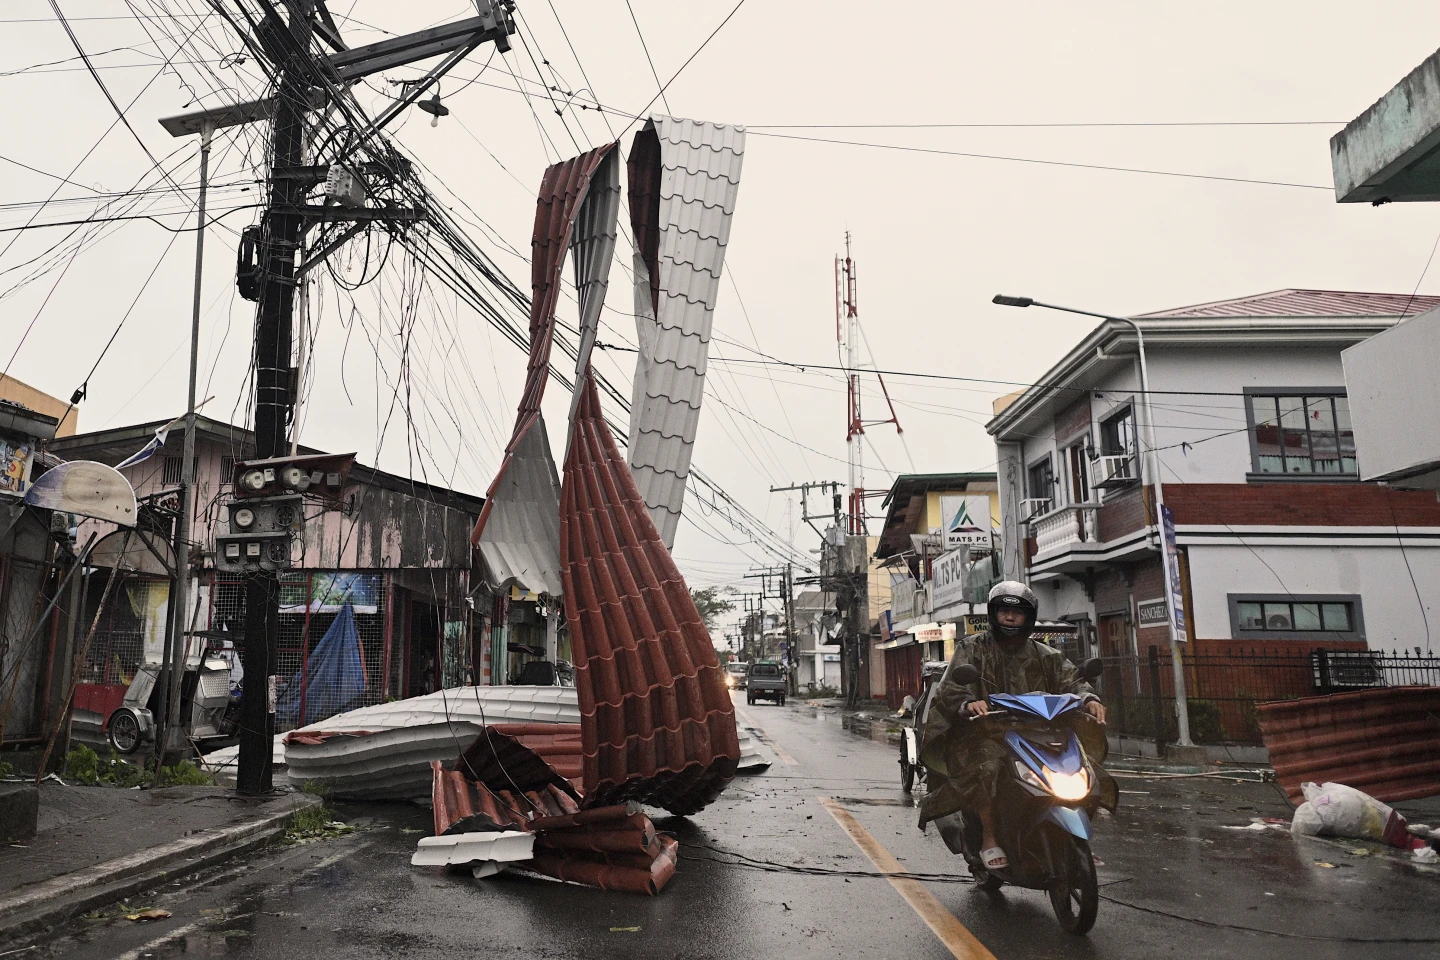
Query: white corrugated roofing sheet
(699, 176)
(520, 543)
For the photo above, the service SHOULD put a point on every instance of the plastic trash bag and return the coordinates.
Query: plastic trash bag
(1335, 810)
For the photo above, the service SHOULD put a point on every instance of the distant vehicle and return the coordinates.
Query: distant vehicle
(543, 673)
(735, 675)
(210, 707)
(766, 680)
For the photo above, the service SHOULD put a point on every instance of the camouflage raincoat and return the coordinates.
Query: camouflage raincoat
(968, 756)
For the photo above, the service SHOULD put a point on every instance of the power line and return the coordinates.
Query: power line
(1047, 163)
(666, 84)
(1081, 124)
(648, 59)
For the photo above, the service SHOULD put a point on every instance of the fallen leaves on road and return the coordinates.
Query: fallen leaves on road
(1326, 865)
(144, 916)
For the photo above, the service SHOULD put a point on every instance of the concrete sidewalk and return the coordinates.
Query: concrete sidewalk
(97, 845)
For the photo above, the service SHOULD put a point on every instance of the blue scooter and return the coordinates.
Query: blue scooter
(1047, 793)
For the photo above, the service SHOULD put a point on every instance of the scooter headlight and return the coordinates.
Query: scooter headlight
(1063, 786)
(1069, 786)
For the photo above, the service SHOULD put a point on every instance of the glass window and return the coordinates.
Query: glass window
(1302, 434)
(1337, 616)
(1117, 434)
(1267, 617)
(1040, 481)
(1306, 616)
(1277, 616)
(764, 670)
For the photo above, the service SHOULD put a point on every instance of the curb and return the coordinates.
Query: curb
(69, 895)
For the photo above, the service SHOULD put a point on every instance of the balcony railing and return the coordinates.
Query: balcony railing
(1075, 523)
(1035, 507)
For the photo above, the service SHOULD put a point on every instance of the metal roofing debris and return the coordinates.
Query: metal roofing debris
(1384, 742)
(658, 723)
(533, 754)
(464, 849)
(593, 246)
(1306, 303)
(684, 176)
(613, 847)
(517, 531)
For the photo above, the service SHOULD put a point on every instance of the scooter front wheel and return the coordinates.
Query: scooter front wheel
(1075, 894)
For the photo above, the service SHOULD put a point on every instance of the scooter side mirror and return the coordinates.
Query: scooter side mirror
(966, 674)
(1092, 668)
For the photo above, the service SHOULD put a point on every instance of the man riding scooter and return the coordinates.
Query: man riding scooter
(971, 760)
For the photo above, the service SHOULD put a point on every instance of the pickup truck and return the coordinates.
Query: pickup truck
(766, 680)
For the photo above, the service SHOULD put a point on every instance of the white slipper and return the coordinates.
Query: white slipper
(994, 858)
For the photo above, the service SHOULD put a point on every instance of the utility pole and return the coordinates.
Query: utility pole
(847, 312)
(804, 488)
(302, 71)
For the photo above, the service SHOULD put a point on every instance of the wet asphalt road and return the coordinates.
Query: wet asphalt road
(1166, 856)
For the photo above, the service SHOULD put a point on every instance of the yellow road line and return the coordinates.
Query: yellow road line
(764, 738)
(958, 940)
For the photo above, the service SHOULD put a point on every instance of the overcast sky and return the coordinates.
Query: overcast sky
(935, 235)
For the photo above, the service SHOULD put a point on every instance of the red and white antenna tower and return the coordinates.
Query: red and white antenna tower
(847, 337)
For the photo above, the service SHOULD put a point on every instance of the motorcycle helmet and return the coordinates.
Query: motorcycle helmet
(1011, 594)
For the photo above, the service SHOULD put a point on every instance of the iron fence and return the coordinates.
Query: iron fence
(1222, 689)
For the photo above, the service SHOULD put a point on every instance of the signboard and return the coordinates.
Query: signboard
(1172, 573)
(331, 591)
(1152, 613)
(947, 578)
(16, 457)
(966, 521)
(933, 632)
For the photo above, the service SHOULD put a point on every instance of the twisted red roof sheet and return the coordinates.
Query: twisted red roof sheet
(657, 724)
(562, 192)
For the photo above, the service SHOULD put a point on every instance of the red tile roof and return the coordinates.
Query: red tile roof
(1307, 303)
(657, 722)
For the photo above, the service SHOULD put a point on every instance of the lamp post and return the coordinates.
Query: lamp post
(1182, 710)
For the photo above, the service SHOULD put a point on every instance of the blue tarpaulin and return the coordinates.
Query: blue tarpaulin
(332, 678)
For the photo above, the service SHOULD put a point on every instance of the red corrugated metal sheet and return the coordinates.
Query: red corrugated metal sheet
(1308, 303)
(562, 191)
(613, 848)
(1384, 742)
(657, 721)
(526, 756)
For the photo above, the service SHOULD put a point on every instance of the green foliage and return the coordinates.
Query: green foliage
(314, 822)
(86, 766)
(321, 787)
(823, 691)
(184, 774)
(711, 602)
(6, 769)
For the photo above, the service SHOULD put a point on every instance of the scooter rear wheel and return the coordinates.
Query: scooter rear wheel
(124, 732)
(1075, 894)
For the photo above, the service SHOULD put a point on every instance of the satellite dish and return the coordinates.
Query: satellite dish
(86, 488)
(133, 551)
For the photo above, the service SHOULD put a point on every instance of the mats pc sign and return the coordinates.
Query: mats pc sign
(966, 522)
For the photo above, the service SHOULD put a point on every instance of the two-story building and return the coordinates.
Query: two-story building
(1282, 548)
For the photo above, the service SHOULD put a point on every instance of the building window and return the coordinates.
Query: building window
(1301, 433)
(227, 470)
(1039, 487)
(1293, 617)
(170, 474)
(1118, 466)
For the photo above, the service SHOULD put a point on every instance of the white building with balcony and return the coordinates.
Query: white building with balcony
(1282, 544)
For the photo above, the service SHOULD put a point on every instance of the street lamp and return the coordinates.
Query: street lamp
(1182, 711)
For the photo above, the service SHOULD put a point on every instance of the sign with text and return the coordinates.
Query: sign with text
(1151, 613)
(1172, 572)
(947, 578)
(966, 521)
